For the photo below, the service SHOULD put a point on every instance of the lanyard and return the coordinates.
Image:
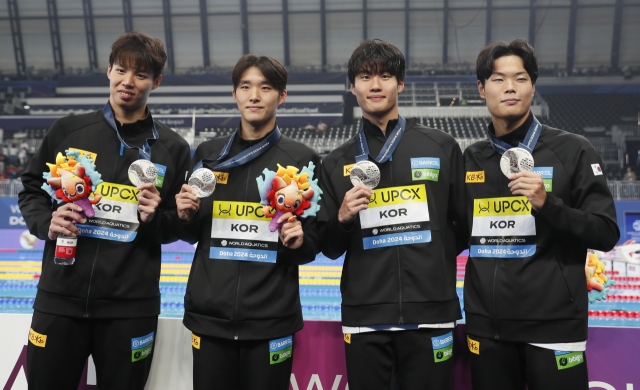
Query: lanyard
(245, 156)
(528, 143)
(387, 149)
(144, 153)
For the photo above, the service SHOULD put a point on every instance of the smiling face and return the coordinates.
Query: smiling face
(508, 91)
(377, 95)
(72, 186)
(129, 90)
(257, 102)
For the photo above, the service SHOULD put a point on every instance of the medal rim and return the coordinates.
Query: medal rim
(357, 179)
(143, 163)
(202, 194)
(518, 150)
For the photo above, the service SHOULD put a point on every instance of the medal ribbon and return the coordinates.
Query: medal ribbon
(144, 153)
(528, 143)
(245, 156)
(387, 149)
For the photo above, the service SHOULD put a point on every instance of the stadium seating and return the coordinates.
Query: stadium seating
(575, 112)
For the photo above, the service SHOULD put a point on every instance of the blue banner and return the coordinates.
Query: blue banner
(396, 239)
(510, 251)
(10, 215)
(106, 233)
(141, 342)
(221, 253)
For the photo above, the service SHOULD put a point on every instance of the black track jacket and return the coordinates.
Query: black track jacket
(540, 298)
(398, 284)
(110, 279)
(246, 300)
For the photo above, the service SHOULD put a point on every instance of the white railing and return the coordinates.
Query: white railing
(624, 189)
(10, 187)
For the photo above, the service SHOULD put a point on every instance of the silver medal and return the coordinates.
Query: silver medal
(204, 181)
(516, 160)
(142, 171)
(365, 172)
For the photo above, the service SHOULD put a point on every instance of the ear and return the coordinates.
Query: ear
(109, 72)
(233, 93)
(400, 86)
(283, 97)
(156, 82)
(533, 90)
(79, 170)
(353, 89)
(308, 193)
(55, 182)
(278, 183)
(481, 89)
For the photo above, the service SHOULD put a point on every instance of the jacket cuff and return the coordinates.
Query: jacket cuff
(346, 227)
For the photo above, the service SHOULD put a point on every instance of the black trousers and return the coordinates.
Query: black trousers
(419, 359)
(516, 366)
(58, 349)
(241, 364)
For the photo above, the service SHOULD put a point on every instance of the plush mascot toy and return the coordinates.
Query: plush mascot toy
(285, 191)
(597, 281)
(72, 179)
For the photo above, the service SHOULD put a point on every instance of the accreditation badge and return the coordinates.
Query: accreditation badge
(396, 216)
(503, 227)
(240, 231)
(116, 216)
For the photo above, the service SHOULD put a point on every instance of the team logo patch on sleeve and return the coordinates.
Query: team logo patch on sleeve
(346, 170)
(280, 350)
(221, 177)
(141, 347)
(162, 171)
(547, 177)
(474, 177)
(37, 339)
(568, 359)
(425, 168)
(597, 171)
(442, 347)
(474, 346)
(195, 341)
(347, 338)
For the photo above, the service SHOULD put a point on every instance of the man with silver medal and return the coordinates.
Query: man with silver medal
(106, 304)
(242, 303)
(392, 196)
(525, 292)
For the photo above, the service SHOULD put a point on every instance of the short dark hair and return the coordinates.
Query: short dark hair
(271, 68)
(139, 51)
(491, 52)
(376, 56)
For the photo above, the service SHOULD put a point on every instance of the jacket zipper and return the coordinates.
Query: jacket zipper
(493, 288)
(95, 257)
(235, 308)
(401, 319)
(493, 291)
